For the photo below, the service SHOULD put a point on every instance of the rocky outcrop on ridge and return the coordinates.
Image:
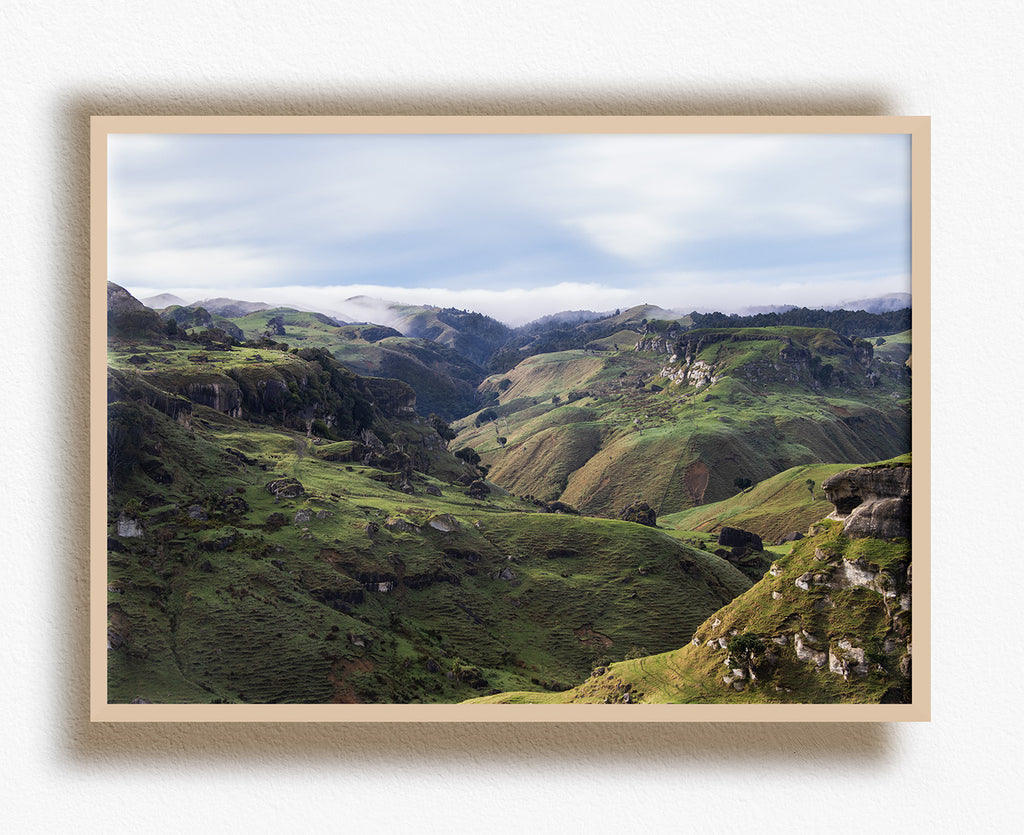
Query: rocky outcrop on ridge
(871, 501)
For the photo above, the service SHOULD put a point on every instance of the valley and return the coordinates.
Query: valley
(436, 507)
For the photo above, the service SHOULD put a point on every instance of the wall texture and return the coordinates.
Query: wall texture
(64, 61)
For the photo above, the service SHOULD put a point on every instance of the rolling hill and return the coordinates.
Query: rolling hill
(828, 623)
(677, 421)
(286, 523)
(282, 529)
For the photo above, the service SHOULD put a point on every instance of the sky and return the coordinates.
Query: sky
(513, 226)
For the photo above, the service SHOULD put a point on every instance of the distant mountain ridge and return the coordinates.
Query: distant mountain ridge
(370, 309)
(163, 300)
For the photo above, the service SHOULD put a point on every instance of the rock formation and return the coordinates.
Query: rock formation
(641, 513)
(871, 501)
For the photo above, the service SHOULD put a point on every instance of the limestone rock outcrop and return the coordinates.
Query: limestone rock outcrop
(871, 501)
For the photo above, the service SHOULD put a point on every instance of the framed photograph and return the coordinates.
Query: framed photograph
(482, 419)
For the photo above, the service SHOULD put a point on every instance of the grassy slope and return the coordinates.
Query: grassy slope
(775, 607)
(681, 446)
(897, 347)
(771, 509)
(228, 608)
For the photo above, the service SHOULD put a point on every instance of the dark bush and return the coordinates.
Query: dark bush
(469, 455)
(275, 521)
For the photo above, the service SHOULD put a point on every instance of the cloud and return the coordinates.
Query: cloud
(727, 292)
(508, 223)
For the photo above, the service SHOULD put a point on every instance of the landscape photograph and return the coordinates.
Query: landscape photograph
(508, 418)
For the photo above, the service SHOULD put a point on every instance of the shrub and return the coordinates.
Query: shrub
(745, 646)
(321, 429)
(275, 521)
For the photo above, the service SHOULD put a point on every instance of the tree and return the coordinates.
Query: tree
(486, 415)
(442, 428)
(741, 483)
(469, 455)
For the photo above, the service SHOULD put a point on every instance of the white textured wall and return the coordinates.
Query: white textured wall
(958, 62)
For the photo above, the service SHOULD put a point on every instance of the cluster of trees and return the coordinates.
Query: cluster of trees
(845, 322)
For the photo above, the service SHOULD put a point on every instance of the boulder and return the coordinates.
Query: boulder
(444, 522)
(738, 538)
(557, 507)
(641, 513)
(807, 653)
(479, 490)
(285, 488)
(846, 660)
(128, 527)
(219, 540)
(397, 523)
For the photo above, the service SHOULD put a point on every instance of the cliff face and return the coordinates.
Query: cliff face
(655, 345)
(871, 501)
(815, 359)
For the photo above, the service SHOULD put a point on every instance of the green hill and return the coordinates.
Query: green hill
(829, 623)
(894, 347)
(284, 530)
(600, 429)
(473, 335)
(790, 501)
